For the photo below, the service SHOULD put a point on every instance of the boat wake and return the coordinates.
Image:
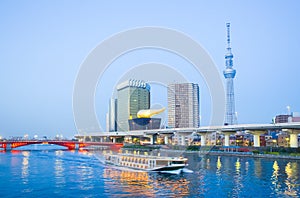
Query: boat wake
(121, 168)
(100, 158)
(174, 172)
(186, 170)
(177, 172)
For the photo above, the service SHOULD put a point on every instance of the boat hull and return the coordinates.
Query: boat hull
(167, 168)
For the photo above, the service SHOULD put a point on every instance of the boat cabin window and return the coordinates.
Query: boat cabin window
(161, 163)
(177, 162)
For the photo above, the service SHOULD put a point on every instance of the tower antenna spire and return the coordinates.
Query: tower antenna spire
(228, 36)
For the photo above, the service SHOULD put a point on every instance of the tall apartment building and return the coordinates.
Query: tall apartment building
(111, 121)
(133, 95)
(183, 105)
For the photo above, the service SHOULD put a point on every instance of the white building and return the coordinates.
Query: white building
(183, 105)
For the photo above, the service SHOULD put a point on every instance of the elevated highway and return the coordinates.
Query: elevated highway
(293, 128)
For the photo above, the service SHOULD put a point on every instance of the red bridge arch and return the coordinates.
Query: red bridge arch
(71, 145)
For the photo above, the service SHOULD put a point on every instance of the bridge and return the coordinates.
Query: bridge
(71, 145)
(292, 128)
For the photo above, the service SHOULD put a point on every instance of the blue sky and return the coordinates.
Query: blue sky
(43, 44)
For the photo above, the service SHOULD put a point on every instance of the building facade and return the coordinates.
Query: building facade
(282, 118)
(144, 123)
(183, 105)
(295, 117)
(133, 95)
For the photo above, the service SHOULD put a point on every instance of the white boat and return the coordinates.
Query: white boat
(147, 162)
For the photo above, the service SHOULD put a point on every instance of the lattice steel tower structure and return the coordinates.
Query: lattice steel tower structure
(229, 74)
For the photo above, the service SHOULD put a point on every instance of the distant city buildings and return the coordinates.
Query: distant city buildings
(183, 102)
(133, 95)
(284, 118)
(183, 112)
(183, 105)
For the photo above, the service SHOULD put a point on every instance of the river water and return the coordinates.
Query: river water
(44, 171)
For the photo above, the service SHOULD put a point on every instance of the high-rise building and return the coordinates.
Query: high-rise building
(183, 105)
(133, 95)
(229, 74)
(112, 115)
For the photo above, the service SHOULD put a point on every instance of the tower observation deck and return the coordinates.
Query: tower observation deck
(229, 74)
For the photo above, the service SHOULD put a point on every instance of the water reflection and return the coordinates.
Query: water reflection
(136, 183)
(237, 166)
(238, 185)
(144, 184)
(219, 164)
(218, 171)
(25, 166)
(291, 182)
(208, 163)
(246, 167)
(224, 176)
(274, 178)
(257, 167)
(85, 173)
(59, 169)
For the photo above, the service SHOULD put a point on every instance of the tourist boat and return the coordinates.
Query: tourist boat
(147, 162)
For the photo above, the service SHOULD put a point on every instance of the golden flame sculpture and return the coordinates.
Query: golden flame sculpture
(148, 113)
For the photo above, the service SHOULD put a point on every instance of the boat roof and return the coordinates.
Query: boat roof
(148, 156)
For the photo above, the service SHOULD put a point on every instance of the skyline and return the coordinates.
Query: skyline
(45, 43)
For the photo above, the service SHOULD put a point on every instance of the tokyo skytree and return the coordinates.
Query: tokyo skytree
(229, 74)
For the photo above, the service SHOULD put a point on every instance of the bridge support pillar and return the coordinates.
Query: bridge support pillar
(152, 138)
(181, 138)
(256, 140)
(8, 147)
(203, 139)
(227, 137)
(293, 140)
(293, 137)
(256, 136)
(166, 139)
